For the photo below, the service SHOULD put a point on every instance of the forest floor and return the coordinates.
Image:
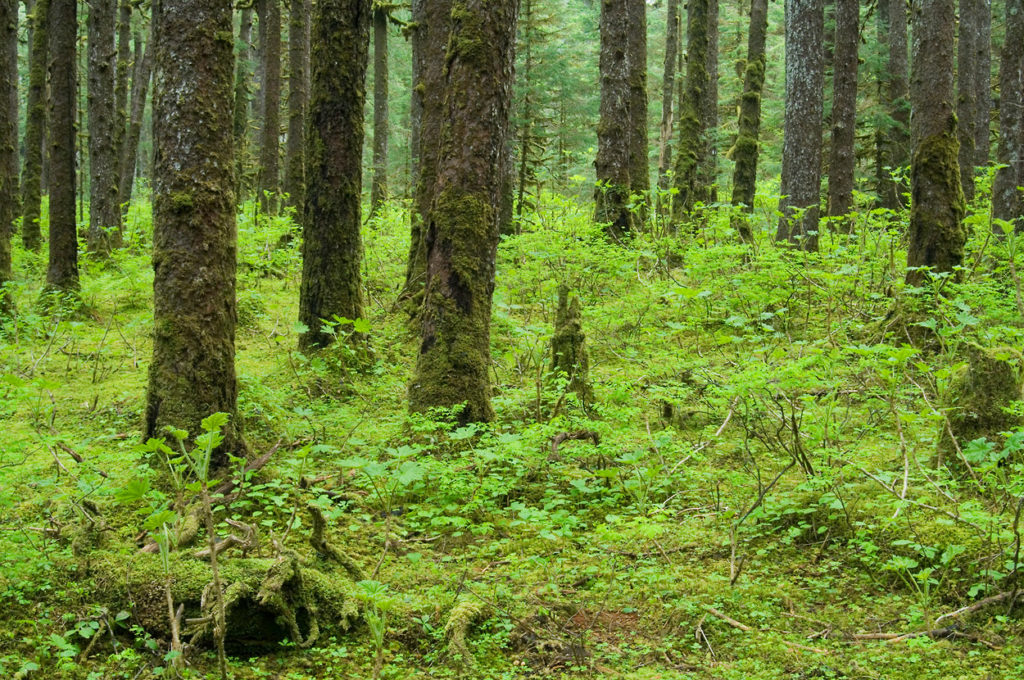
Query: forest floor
(750, 493)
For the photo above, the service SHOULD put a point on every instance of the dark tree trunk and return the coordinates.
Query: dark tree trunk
(270, 151)
(194, 240)
(937, 234)
(122, 93)
(379, 187)
(801, 151)
(689, 180)
(142, 74)
(1007, 199)
(967, 90)
(415, 95)
(668, 89)
(35, 129)
(611, 198)
(844, 108)
(463, 224)
(104, 209)
(639, 171)
(896, 136)
(62, 272)
(332, 250)
(745, 152)
(983, 81)
(298, 99)
(709, 109)
(240, 123)
(430, 43)
(8, 140)
(526, 173)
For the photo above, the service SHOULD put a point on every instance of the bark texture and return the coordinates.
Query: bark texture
(122, 92)
(668, 89)
(379, 188)
(689, 181)
(8, 140)
(745, 151)
(192, 374)
(298, 102)
(843, 159)
(709, 108)
(62, 272)
(104, 209)
(240, 121)
(35, 128)
(1007, 199)
(937, 233)
(463, 224)
(639, 173)
(801, 151)
(967, 90)
(895, 137)
(141, 77)
(611, 198)
(270, 147)
(983, 82)
(332, 249)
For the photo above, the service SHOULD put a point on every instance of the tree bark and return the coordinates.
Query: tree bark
(35, 129)
(689, 179)
(62, 271)
(668, 89)
(801, 151)
(462, 228)
(639, 171)
(745, 151)
(8, 140)
(1007, 199)
(983, 82)
(122, 95)
(896, 135)
(240, 120)
(937, 234)
(379, 188)
(843, 160)
(142, 74)
(298, 102)
(269, 170)
(967, 90)
(332, 249)
(104, 209)
(709, 109)
(611, 198)
(192, 374)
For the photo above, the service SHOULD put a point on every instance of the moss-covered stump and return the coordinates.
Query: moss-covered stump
(568, 346)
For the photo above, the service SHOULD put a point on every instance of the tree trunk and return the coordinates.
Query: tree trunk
(896, 136)
(8, 140)
(689, 180)
(525, 83)
(1007, 199)
(379, 188)
(611, 198)
(122, 101)
(937, 234)
(62, 272)
(269, 171)
(332, 249)
(709, 109)
(35, 129)
(240, 122)
(983, 82)
(801, 151)
(639, 171)
(140, 86)
(104, 209)
(462, 227)
(668, 89)
(967, 91)
(298, 99)
(745, 152)
(192, 374)
(843, 160)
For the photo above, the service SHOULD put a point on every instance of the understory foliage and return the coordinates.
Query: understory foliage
(770, 435)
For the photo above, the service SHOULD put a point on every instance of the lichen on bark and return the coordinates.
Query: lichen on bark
(745, 150)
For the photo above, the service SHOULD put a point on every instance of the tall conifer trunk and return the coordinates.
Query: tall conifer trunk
(270, 151)
(298, 98)
(844, 108)
(689, 179)
(1007, 199)
(895, 138)
(35, 128)
(62, 271)
(141, 77)
(104, 210)
(240, 120)
(8, 139)
(967, 90)
(639, 170)
(379, 188)
(745, 151)
(614, 146)
(668, 89)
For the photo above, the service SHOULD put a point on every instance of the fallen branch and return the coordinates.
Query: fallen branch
(578, 435)
(980, 604)
(731, 621)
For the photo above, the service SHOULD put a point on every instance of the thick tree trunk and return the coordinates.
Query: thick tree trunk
(192, 374)
(104, 209)
(983, 82)
(379, 188)
(745, 152)
(895, 137)
(689, 180)
(611, 198)
(62, 272)
(463, 225)
(270, 151)
(298, 99)
(668, 89)
(937, 233)
(240, 122)
(8, 140)
(142, 74)
(967, 90)
(332, 249)
(801, 151)
(35, 128)
(1007, 199)
(844, 108)
(639, 170)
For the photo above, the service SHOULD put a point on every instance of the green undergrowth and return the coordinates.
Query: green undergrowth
(756, 482)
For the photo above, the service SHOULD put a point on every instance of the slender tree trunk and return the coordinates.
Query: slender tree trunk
(983, 81)
(332, 249)
(744, 178)
(967, 90)
(689, 180)
(801, 151)
(140, 87)
(379, 188)
(843, 160)
(896, 136)
(192, 374)
(526, 116)
(240, 123)
(298, 98)
(62, 272)
(611, 198)
(122, 93)
(668, 89)
(463, 225)
(937, 233)
(1007, 199)
(35, 128)
(8, 140)
(416, 31)
(270, 151)
(639, 170)
(104, 208)
(709, 109)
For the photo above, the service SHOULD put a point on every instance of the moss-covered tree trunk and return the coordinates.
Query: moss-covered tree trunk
(983, 83)
(332, 249)
(35, 128)
(843, 158)
(270, 143)
(709, 109)
(967, 89)
(463, 225)
(639, 170)
(194, 241)
(611, 197)
(298, 101)
(379, 187)
(62, 271)
(8, 139)
(569, 348)
(937, 234)
(104, 209)
(668, 89)
(894, 138)
(801, 150)
(1007, 199)
(240, 120)
(689, 180)
(122, 91)
(141, 76)
(745, 151)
